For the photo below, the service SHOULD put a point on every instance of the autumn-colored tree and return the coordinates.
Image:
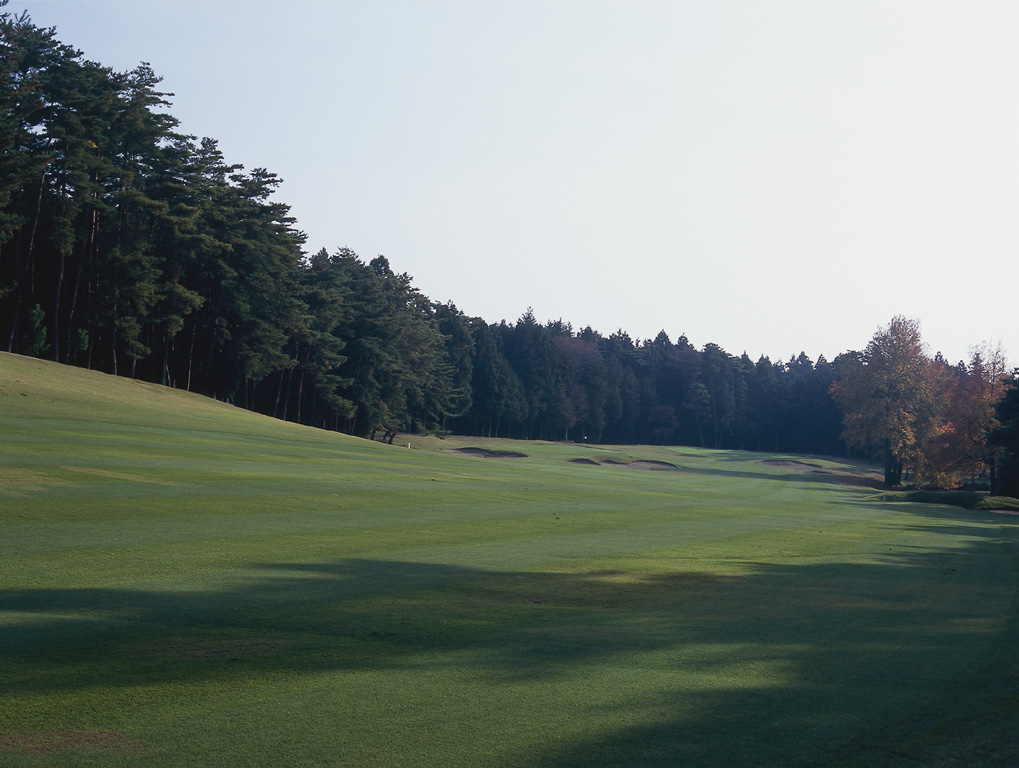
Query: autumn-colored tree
(890, 396)
(962, 449)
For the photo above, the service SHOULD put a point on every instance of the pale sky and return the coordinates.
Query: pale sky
(773, 177)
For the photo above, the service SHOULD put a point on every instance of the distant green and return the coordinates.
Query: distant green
(186, 583)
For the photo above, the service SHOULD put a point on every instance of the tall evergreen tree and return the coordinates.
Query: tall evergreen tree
(528, 346)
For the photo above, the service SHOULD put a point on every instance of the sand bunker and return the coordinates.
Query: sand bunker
(795, 466)
(486, 454)
(639, 464)
(650, 464)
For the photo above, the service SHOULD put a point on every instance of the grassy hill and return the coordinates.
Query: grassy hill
(186, 583)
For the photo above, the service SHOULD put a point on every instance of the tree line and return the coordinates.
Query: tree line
(132, 248)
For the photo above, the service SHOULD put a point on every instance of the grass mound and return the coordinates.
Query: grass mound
(187, 583)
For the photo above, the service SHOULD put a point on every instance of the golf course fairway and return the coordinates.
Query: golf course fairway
(183, 582)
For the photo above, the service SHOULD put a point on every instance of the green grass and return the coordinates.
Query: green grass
(186, 583)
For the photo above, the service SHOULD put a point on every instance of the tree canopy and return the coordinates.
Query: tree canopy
(130, 247)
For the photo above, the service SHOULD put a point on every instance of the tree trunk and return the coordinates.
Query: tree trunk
(210, 358)
(86, 245)
(23, 272)
(300, 394)
(56, 308)
(113, 346)
(279, 394)
(164, 370)
(191, 352)
(286, 400)
(91, 346)
(70, 346)
(893, 468)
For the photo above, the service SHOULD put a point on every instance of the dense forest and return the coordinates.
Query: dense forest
(129, 247)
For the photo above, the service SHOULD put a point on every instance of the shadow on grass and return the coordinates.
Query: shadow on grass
(778, 665)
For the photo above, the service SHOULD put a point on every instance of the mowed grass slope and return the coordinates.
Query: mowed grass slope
(186, 583)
